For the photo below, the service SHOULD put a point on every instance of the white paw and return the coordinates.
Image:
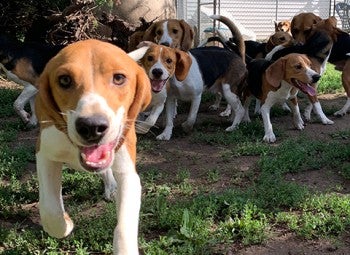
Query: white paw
(339, 113)
(213, 107)
(327, 121)
(231, 128)
(269, 138)
(57, 226)
(164, 136)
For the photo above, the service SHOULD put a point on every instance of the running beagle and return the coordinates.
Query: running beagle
(275, 82)
(89, 96)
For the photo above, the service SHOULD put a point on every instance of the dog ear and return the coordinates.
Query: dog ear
(276, 25)
(46, 107)
(275, 72)
(142, 97)
(183, 64)
(188, 36)
(150, 33)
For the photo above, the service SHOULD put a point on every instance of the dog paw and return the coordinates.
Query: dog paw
(213, 107)
(269, 138)
(57, 226)
(231, 128)
(187, 126)
(142, 129)
(163, 137)
(327, 121)
(339, 113)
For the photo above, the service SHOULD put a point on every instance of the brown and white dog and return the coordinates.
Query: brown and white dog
(174, 33)
(160, 63)
(284, 26)
(276, 82)
(89, 96)
(303, 27)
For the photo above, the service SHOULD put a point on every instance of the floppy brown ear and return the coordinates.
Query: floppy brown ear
(150, 33)
(188, 36)
(46, 108)
(142, 97)
(183, 64)
(275, 72)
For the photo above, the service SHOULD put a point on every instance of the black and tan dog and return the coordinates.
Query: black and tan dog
(23, 63)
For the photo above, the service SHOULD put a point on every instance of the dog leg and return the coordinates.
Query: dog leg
(319, 112)
(56, 222)
(297, 120)
(110, 184)
(144, 126)
(345, 76)
(307, 112)
(265, 113)
(125, 240)
(187, 126)
(236, 106)
(27, 94)
(216, 105)
(257, 109)
(33, 120)
(170, 109)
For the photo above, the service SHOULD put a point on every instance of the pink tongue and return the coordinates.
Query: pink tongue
(97, 153)
(306, 88)
(157, 85)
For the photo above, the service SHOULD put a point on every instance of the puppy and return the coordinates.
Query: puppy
(23, 63)
(89, 96)
(174, 33)
(276, 82)
(214, 68)
(161, 63)
(283, 26)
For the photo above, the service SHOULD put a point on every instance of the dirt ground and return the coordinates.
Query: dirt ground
(181, 152)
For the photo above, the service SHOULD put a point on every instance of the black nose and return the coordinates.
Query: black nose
(157, 73)
(165, 44)
(92, 129)
(315, 78)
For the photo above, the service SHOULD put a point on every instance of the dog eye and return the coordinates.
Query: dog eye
(175, 31)
(150, 58)
(169, 60)
(298, 66)
(119, 79)
(159, 32)
(65, 81)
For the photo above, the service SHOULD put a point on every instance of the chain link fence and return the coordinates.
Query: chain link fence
(255, 19)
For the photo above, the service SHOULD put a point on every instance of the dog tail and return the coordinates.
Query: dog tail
(236, 34)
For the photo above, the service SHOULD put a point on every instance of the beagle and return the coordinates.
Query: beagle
(22, 63)
(213, 68)
(318, 47)
(275, 82)
(160, 63)
(284, 26)
(89, 96)
(302, 24)
(174, 33)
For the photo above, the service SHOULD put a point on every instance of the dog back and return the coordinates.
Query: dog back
(213, 62)
(256, 69)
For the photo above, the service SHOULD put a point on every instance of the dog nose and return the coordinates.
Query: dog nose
(157, 73)
(92, 129)
(316, 78)
(165, 44)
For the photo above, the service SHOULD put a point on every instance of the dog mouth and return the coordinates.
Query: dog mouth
(158, 85)
(304, 87)
(97, 157)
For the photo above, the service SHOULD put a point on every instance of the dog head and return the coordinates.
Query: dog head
(302, 25)
(171, 32)
(279, 38)
(283, 26)
(161, 62)
(296, 70)
(93, 91)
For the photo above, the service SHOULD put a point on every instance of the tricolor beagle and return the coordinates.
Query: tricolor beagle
(283, 25)
(275, 82)
(318, 47)
(160, 63)
(304, 28)
(89, 96)
(23, 63)
(214, 68)
(174, 33)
